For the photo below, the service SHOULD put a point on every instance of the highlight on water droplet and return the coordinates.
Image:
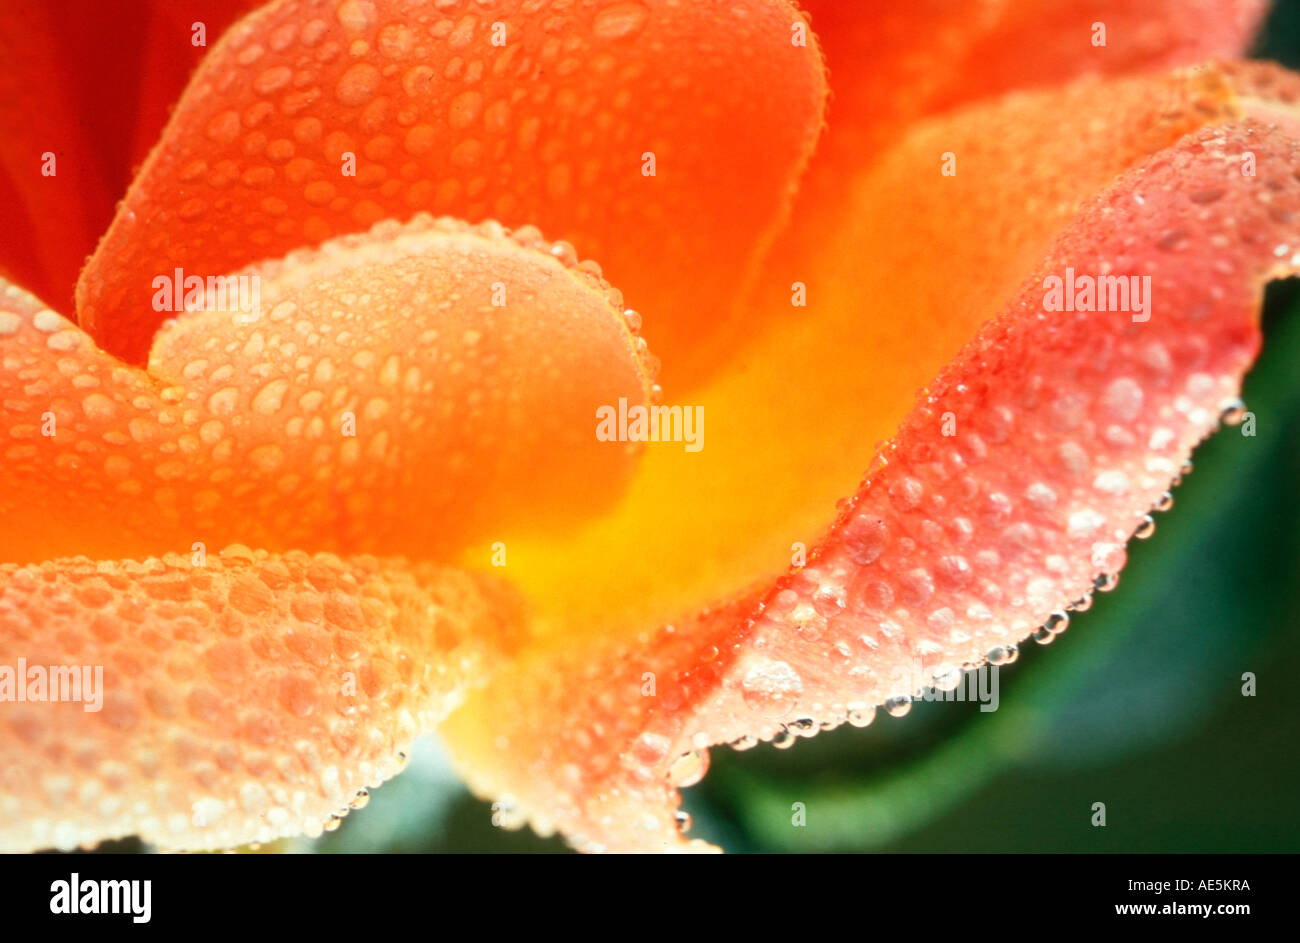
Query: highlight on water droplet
(620, 20)
(689, 768)
(861, 715)
(1232, 412)
(771, 688)
(898, 706)
(1105, 582)
(1003, 654)
(1057, 622)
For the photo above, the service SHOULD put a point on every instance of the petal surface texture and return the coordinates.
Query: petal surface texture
(375, 397)
(1065, 427)
(892, 63)
(313, 119)
(242, 699)
(426, 389)
(792, 423)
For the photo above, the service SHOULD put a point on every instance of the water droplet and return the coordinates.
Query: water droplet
(396, 40)
(620, 20)
(223, 401)
(1232, 412)
(333, 823)
(916, 587)
(683, 819)
(270, 398)
(947, 678)
(1146, 528)
(1123, 400)
(224, 128)
(272, 80)
(906, 493)
(318, 192)
(771, 688)
(784, 740)
(689, 768)
(464, 109)
(898, 706)
(650, 748)
(864, 539)
(357, 85)
(1105, 582)
(565, 253)
(861, 715)
(192, 209)
(356, 15)
(1164, 502)
(98, 407)
(1003, 654)
(744, 743)
(1057, 622)
(360, 800)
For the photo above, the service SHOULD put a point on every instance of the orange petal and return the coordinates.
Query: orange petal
(521, 113)
(83, 80)
(894, 61)
(379, 399)
(245, 698)
(1067, 428)
(903, 275)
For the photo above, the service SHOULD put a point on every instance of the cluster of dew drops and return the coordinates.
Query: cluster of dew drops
(689, 768)
(358, 801)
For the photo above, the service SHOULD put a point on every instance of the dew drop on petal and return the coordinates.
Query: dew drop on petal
(620, 20)
(898, 706)
(1003, 654)
(861, 715)
(771, 688)
(689, 768)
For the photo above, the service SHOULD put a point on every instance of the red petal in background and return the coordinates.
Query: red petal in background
(87, 80)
